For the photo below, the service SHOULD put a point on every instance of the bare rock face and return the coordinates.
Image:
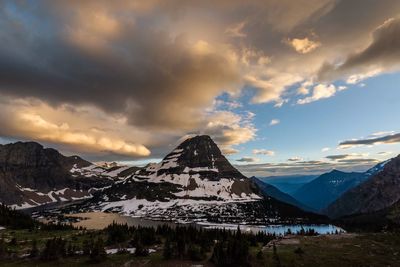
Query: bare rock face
(30, 165)
(201, 153)
(31, 174)
(379, 192)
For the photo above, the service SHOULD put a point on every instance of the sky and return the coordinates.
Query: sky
(283, 87)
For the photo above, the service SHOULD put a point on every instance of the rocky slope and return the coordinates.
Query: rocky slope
(194, 182)
(379, 192)
(31, 175)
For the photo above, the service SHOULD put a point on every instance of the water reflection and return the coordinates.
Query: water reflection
(100, 220)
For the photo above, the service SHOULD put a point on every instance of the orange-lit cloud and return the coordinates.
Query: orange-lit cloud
(151, 70)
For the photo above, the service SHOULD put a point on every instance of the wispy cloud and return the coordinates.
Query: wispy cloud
(263, 152)
(274, 122)
(248, 159)
(295, 159)
(351, 156)
(386, 139)
(306, 167)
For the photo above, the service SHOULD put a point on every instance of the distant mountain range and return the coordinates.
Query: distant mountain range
(380, 192)
(288, 183)
(194, 182)
(326, 188)
(317, 192)
(270, 190)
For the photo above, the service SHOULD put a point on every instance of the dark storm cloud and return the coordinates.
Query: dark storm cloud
(134, 70)
(382, 54)
(387, 139)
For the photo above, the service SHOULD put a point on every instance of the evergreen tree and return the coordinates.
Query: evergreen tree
(276, 257)
(54, 249)
(141, 251)
(260, 255)
(86, 248)
(219, 258)
(34, 252)
(167, 252)
(195, 253)
(98, 253)
(3, 249)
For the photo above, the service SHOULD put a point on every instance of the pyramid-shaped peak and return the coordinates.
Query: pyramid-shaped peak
(198, 154)
(199, 144)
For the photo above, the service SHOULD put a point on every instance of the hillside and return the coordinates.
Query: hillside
(272, 191)
(379, 192)
(31, 175)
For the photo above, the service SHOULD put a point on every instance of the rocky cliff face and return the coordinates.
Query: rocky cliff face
(31, 175)
(379, 192)
(30, 165)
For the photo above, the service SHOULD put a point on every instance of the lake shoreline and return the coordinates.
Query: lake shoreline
(100, 220)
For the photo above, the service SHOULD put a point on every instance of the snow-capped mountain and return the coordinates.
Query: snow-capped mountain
(199, 168)
(194, 182)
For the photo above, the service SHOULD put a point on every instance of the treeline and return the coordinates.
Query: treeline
(226, 248)
(58, 248)
(222, 247)
(14, 219)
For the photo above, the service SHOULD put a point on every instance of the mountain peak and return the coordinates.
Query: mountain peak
(198, 166)
(198, 154)
(334, 171)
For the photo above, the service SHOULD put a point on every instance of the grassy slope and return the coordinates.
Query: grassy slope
(376, 250)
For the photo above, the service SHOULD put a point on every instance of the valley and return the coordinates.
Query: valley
(241, 133)
(193, 188)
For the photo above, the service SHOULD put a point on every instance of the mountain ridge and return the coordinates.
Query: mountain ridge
(327, 187)
(31, 175)
(379, 192)
(274, 192)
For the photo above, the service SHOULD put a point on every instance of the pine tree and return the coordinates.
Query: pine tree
(219, 257)
(86, 247)
(141, 251)
(54, 249)
(167, 252)
(276, 257)
(3, 249)
(98, 253)
(260, 255)
(34, 252)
